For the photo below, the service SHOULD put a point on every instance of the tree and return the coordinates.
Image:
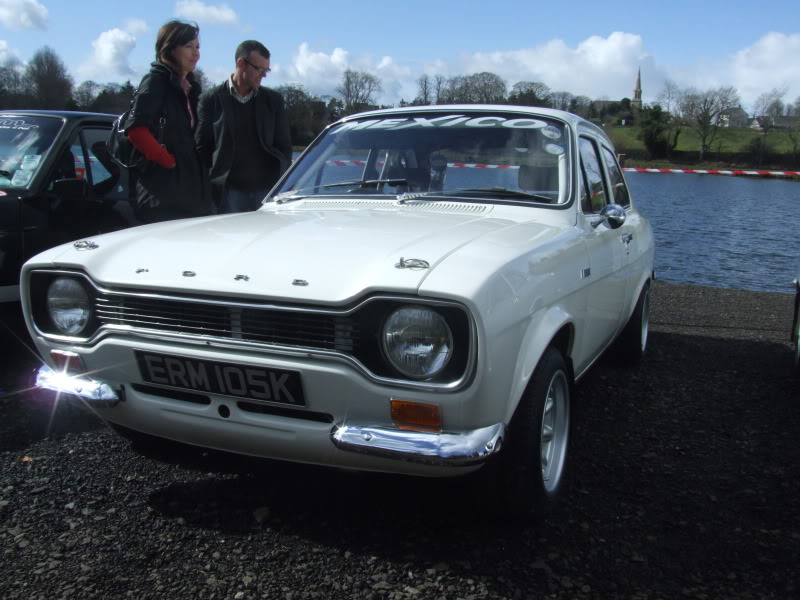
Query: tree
(793, 112)
(767, 108)
(47, 80)
(13, 92)
(201, 78)
(457, 91)
(703, 112)
(114, 98)
(424, 93)
(85, 94)
(530, 93)
(669, 96)
(357, 90)
(561, 100)
(439, 87)
(580, 105)
(653, 129)
(300, 111)
(487, 88)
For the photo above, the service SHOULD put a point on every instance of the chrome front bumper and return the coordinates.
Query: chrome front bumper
(445, 449)
(457, 449)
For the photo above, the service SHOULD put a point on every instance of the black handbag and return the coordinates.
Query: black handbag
(119, 146)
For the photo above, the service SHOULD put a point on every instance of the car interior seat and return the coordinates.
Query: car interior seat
(65, 167)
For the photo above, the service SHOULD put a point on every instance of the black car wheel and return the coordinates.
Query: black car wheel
(532, 465)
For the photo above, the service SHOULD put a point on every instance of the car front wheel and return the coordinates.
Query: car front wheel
(632, 342)
(533, 463)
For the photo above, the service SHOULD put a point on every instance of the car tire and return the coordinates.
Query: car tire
(532, 465)
(631, 344)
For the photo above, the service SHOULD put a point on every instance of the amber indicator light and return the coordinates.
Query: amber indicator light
(416, 416)
(67, 362)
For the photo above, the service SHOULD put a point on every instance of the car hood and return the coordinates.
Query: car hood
(313, 251)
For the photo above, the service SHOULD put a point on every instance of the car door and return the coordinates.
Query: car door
(108, 184)
(606, 283)
(635, 236)
(83, 193)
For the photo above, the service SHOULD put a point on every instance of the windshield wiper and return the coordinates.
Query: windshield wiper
(363, 183)
(299, 194)
(494, 191)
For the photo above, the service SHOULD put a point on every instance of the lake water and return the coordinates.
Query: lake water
(733, 232)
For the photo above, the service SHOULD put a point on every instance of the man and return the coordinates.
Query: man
(243, 134)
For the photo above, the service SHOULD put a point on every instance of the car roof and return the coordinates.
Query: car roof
(63, 114)
(573, 120)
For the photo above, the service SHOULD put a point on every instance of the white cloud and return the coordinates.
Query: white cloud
(136, 26)
(320, 73)
(597, 67)
(23, 14)
(769, 63)
(220, 14)
(109, 58)
(7, 53)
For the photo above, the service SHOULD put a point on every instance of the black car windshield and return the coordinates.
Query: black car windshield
(24, 142)
(479, 156)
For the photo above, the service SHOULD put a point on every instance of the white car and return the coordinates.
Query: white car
(417, 295)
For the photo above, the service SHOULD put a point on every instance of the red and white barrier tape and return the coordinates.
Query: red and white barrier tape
(455, 165)
(361, 163)
(716, 172)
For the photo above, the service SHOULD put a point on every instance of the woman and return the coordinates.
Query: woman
(171, 184)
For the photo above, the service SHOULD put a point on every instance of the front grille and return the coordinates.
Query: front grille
(351, 332)
(264, 326)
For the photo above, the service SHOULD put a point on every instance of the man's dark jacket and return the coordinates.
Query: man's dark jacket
(217, 128)
(181, 191)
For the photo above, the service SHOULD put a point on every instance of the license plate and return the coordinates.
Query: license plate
(228, 379)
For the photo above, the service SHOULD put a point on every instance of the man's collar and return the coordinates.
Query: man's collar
(235, 93)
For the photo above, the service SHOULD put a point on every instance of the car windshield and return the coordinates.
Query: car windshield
(477, 156)
(24, 142)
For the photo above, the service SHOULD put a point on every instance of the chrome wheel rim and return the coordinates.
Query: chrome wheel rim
(555, 430)
(645, 320)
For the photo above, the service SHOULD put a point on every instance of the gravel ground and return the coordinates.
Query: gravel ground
(684, 484)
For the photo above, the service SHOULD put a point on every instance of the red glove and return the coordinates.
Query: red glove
(147, 144)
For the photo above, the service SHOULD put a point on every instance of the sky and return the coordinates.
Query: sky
(585, 48)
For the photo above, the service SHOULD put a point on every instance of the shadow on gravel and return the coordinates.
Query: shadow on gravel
(695, 450)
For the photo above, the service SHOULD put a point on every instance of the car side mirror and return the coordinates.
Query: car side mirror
(71, 189)
(612, 215)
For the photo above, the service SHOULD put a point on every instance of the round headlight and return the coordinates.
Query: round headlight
(417, 341)
(68, 305)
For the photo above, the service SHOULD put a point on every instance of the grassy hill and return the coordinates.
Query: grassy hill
(729, 139)
(731, 147)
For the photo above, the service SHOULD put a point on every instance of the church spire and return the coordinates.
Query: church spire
(637, 91)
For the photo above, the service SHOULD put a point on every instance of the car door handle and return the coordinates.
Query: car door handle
(626, 238)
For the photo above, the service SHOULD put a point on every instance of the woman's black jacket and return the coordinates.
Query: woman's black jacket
(182, 191)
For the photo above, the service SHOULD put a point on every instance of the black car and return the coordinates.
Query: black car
(57, 184)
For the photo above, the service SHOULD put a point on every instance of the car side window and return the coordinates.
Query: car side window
(107, 179)
(594, 174)
(621, 195)
(583, 194)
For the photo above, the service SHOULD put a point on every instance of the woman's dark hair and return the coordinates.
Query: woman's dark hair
(171, 35)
